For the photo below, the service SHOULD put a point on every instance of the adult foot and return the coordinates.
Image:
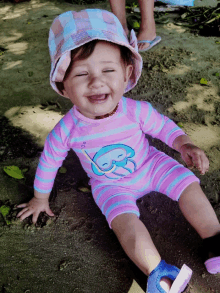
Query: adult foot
(144, 35)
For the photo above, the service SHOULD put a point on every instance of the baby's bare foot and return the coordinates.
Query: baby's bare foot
(166, 284)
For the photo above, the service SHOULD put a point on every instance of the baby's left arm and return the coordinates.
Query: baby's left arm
(191, 154)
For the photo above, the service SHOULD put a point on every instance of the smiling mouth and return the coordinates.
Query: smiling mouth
(97, 99)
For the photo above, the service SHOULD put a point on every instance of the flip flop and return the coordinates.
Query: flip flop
(179, 277)
(152, 43)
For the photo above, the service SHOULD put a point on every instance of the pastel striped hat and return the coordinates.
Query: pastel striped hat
(72, 29)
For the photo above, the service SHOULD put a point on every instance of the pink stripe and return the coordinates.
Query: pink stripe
(116, 199)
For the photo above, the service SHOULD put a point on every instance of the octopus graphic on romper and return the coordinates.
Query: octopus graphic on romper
(113, 161)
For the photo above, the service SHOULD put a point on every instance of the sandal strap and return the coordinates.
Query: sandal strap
(180, 278)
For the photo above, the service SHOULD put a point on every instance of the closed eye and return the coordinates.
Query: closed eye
(81, 74)
(120, 155)
(110, 70)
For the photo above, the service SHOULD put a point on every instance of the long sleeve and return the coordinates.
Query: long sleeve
(55, 151)
(157, 125)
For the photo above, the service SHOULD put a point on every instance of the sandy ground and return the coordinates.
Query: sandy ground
(76, 251)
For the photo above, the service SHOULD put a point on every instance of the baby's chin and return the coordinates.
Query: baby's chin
(108, 113)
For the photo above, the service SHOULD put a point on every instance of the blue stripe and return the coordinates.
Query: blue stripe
(44, 180)
(64, 128)
(45, 169)
(98, 186)
(170, 133)
(56, 136)
(160, 127)
(73, 117)
(124, 105)
(55, 148)
(152, 128)
(160, 167)
(141, 175)
(105, 134)
(101, 193)
(52, 157)
(177, 180)
(150, 109)
(144, 155)
(42, 190)
(118, 194)
(167, 175)
(116, 205)
(138, 111)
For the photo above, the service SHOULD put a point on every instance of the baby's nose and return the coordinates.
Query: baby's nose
(96, 82)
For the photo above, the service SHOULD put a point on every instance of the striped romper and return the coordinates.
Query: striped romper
(116, 155)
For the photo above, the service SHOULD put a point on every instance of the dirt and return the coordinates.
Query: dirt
(76, 251)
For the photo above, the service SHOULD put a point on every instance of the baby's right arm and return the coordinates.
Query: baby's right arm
(39, 203)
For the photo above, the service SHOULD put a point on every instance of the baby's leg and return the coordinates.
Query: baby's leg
(198, 211)
(137, 243)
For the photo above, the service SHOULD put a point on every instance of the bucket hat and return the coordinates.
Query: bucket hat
(72, 29)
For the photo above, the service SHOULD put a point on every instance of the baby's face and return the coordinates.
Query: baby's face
(96, 84)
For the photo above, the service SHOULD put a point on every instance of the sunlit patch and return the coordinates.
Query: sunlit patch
(14, 36)
(172, 26)
(17, 48)
(36, 121)
(205, 137)
(201, 96)
(10, 65)
(19, 10)
(180, 69)
(201, 135)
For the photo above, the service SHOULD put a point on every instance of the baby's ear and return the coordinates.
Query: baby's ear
(128, 72)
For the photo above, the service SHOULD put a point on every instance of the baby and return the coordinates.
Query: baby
(93, 64)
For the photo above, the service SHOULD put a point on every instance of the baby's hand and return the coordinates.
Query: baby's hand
(34, 207)
(194, 157)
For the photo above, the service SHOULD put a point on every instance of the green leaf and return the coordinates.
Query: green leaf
(14, 172)
(24, 170)
(136, 25)
(217, 74)
(4, 210)
(180, 124)
(217, 42)
(203, 81)
(84, 189)
(62, 170)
